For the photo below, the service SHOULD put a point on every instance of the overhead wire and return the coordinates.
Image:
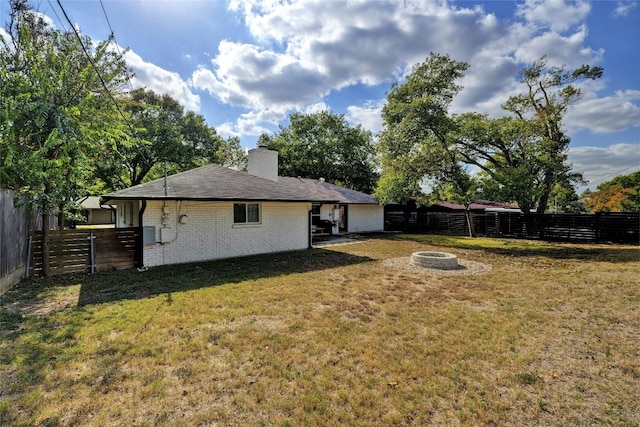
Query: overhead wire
(115, 42)
(613, 175)
(117, 46)
(95, 67)
(93, 64)
(57, 16)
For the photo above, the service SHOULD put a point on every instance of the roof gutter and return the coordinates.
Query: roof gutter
(140, 240)
(105, 199)
(309, 234)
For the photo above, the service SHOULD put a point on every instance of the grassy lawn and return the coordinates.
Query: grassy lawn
(549, 336)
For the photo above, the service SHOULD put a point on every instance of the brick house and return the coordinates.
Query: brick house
(214, 212)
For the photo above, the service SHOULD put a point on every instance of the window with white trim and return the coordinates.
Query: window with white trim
(126, 213)
(246, 213)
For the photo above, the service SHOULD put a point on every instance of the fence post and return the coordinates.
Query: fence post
(138, 260)
(28, 263)
(91, 253)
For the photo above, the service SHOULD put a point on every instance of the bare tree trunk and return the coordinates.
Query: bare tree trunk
(46, 272)
(61, 223)
(467, 215)
(544, 202)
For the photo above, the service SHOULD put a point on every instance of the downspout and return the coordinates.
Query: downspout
(309, 235)
(140, 240)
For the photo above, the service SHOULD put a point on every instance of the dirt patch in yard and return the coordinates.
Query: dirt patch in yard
(41, 301)
(42, 307)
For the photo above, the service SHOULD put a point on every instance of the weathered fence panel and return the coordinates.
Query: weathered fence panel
(115, 248)
(72, 251)
(617, 227)
(394, 221)
(68, 252)
(14, 234)
(577, 228)
(580, 228)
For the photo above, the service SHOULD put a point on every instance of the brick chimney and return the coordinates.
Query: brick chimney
(263, 163)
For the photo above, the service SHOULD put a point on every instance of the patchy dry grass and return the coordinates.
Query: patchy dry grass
(549, 336)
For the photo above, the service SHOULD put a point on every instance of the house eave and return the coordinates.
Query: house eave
(105, 199)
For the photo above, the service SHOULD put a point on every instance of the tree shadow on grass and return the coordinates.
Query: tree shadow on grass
(132, 284)
(613, 255)
(535, 248)
(36, 341)
(39, 297)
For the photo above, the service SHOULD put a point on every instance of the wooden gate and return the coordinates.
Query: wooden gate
(72, 251)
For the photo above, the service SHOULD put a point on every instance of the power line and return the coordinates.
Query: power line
(57, 16)
(104, 85)
(113, 36)
(106, 17)
(93, 64)
(613, 175)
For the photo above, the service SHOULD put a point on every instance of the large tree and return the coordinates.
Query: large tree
(161, 135)
(522, 157)
(324, 145)
(57, 106)
(418, 143)
(550, 91)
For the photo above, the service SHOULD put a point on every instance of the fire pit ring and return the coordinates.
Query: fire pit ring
(439, 260)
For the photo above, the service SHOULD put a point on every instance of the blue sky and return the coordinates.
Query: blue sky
(246, 65)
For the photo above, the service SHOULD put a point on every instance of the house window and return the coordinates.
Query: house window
(246, 213)
(315, 214)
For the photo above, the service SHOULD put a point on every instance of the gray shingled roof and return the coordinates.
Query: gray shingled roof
(215, 182)
(325, 190)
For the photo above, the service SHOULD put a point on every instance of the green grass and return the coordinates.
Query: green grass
(332, 337)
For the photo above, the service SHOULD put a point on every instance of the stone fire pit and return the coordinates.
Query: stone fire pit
(439, 260)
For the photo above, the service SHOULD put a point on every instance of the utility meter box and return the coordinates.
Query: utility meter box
(149, 235)
(168, 235)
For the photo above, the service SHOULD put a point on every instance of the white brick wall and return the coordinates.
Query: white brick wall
(209, 233)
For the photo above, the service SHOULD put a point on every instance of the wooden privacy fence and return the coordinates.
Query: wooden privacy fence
(14, 232)
(602, 227)
(85, 251)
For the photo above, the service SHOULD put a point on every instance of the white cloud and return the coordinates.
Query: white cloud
(47, 20)
(487, 85)
(363, 42)
(4, 35)
(558, 15)
(205, 79)
(307, 49)
(257, 123)
(161, 81)
(608, 114)
(227, 129)
(251, 77)
(315, 108)
(600, 164)
(624, 7)
(369, 116)
(253, 123)
(559, 49)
